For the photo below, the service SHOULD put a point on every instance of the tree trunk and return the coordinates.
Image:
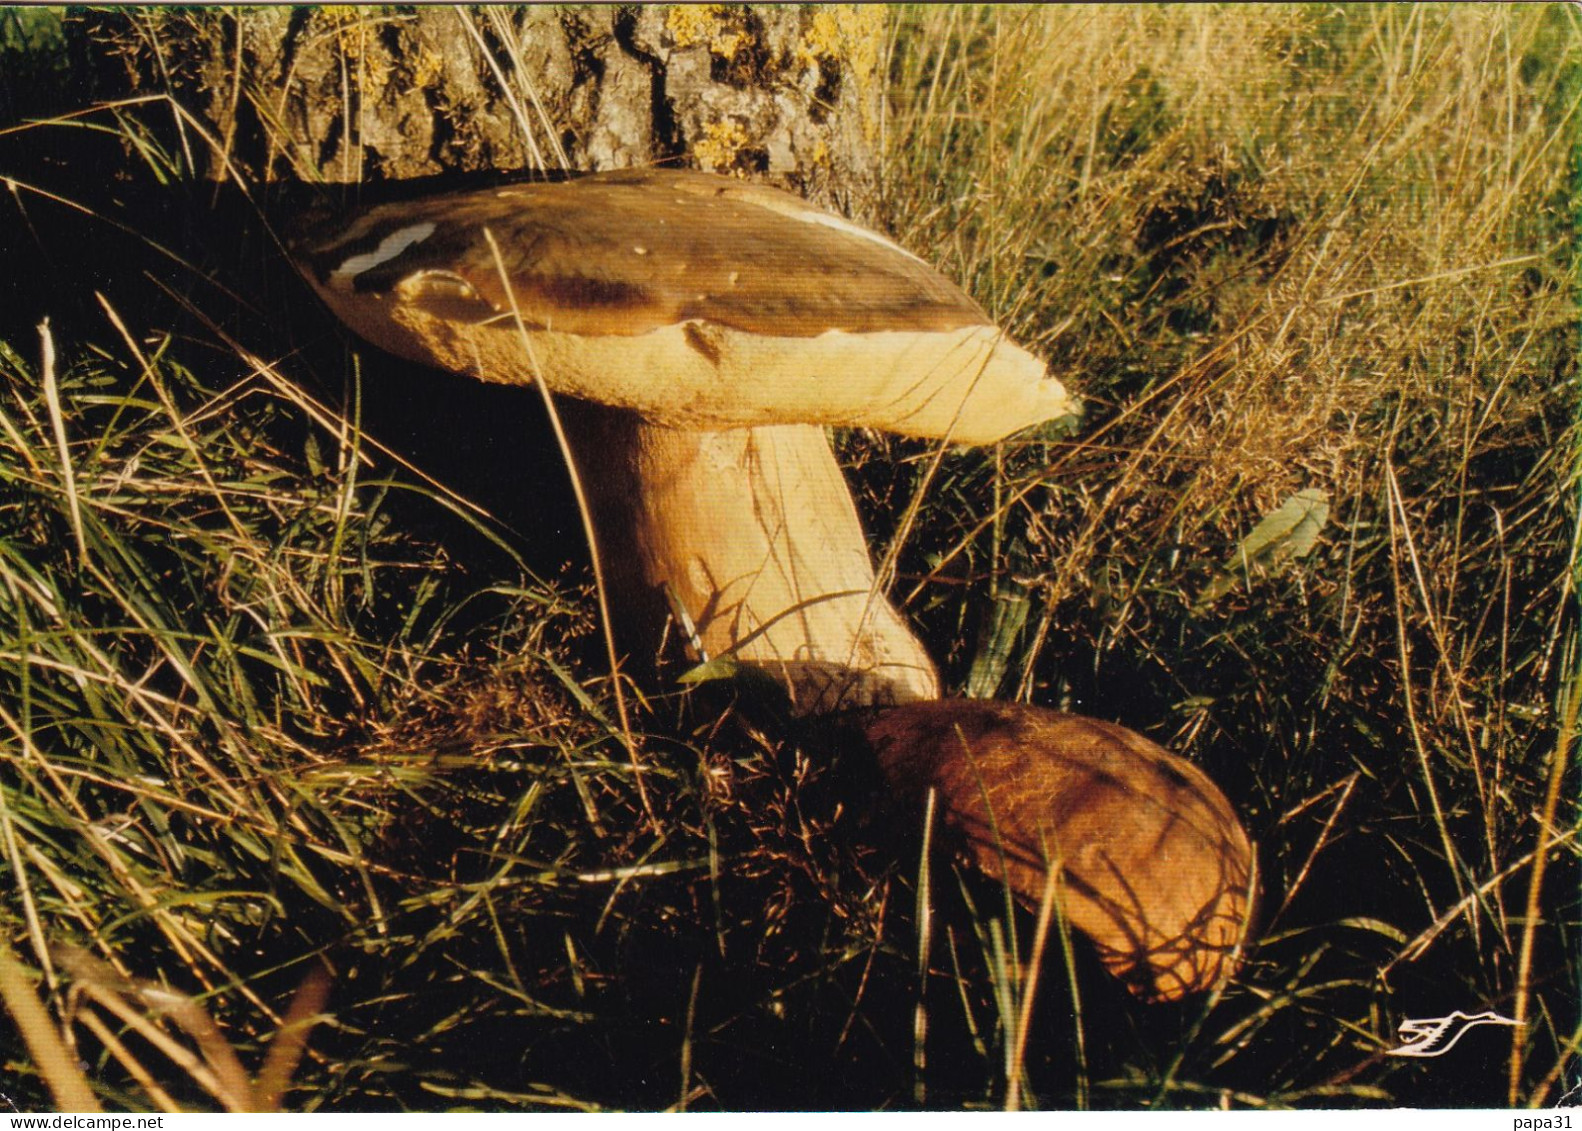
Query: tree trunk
(348, 95)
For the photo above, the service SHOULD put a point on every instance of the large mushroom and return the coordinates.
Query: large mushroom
(705, 329)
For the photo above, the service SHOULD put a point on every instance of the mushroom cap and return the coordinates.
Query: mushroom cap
(1155, 867)
(699, 301)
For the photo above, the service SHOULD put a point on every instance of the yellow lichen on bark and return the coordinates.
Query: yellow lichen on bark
(853, 36)
(722, 141)
(692, 24)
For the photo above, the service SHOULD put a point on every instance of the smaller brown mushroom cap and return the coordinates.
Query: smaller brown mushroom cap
(1155, 867)
(695, 300)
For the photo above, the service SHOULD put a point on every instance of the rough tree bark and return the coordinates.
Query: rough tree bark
(790, 94)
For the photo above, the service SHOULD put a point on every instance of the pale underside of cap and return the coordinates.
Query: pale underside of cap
(697, 301)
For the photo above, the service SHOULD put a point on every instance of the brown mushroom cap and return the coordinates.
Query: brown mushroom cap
(697, 301)
(1155, 867)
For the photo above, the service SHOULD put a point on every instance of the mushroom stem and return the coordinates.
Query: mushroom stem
(756, 538)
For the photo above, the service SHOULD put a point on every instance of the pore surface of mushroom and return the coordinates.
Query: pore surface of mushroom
(707, 326)
(1153, 865)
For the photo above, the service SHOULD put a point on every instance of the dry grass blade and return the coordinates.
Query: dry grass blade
(136, 1070)
(1029, 991)
(575, 474)
(522, 76)
(58, 423)
(1549, 837)
(54, 1061)
(686, 1040)
(140, 1005)
(291, 1039)
(1344, 789)
(925, 944)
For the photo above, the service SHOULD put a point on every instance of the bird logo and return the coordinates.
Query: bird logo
(1434, 1036)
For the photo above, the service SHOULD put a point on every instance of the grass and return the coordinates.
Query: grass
(275, 699)
(1297, 250)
